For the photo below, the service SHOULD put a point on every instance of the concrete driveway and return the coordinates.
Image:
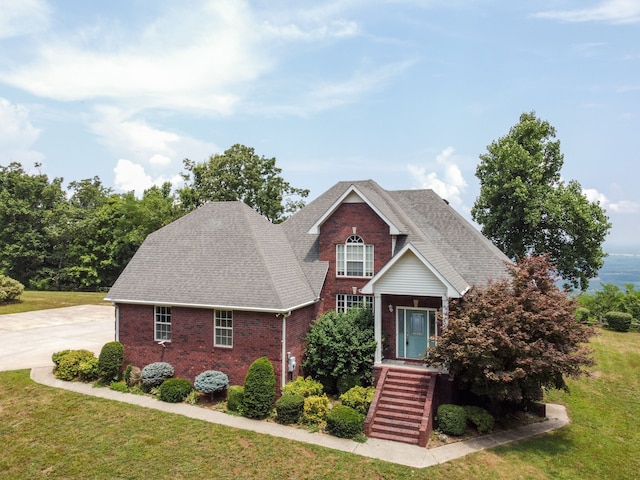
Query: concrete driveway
(28, 339)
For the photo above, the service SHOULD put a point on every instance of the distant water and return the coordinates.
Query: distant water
(620, 267)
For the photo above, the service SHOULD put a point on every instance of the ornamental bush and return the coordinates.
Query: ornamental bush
(451, 419)
(75, 365)
(289, 408)
(155, 373)
(110, 361)
(344, 422)
(482, 420)
(211, 381)
(618, 321)
(259, 389)
(347, 381)
(358, 398)
(235, 394)
(315, 409)
(120, 386)
(582, 314)
(303, 386)
(10, 289)
(174, 390)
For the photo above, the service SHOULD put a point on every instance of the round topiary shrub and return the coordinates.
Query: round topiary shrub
(315, 409)
(358, 398)
(344, 422)
(451, 419)
(479, 418)
(10, 289)
(618, 321)
(235, 394)
(211, 381)
(110, 361)
(155, 373)
(75, 364)
(174, 390)
(259, 389)
(306, 387)
(289, 408)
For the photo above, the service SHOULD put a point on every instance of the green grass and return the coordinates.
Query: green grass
(50, 433)
(32, 300)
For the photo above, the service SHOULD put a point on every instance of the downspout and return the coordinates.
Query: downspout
(117, 323)
(283, 355)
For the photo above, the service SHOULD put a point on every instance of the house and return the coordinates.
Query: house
(222, 286)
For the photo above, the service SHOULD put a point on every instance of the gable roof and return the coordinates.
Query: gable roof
(222, 255)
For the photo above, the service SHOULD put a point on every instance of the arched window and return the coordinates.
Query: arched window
(354, 258)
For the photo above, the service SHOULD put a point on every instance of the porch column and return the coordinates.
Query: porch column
(445, 311)
(377, 327)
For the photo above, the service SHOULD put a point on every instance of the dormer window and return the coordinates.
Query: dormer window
(354, 258)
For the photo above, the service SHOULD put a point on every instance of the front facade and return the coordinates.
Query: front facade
(222, 286)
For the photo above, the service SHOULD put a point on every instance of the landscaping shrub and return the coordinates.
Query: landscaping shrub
(155, 373)
(289, 408)
(303, 386)
(344, 422)
(211, 381)
(618, 321)
(119, 386)
(110, 361)
(451, 419)
(259, 389)
(359, 398)
(75, 364)
(174, 390)
(482, 420)
(315, 409)
(582, 314)
(235, 394)
(10, 289)
(347, 381)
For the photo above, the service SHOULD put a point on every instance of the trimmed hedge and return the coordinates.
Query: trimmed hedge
(259, 389)
(110, 361)
(344, 422)
(289, 408)
(174, 390)
(358, 398)
(315, 409)
(482, 420)
(155, 373)
(235, 394)
(75, 365)
(618, 321)
(451, 419)
(307, 387)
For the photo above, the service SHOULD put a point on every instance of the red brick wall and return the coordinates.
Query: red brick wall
(335, 230)
(191, 350)
(298, 325)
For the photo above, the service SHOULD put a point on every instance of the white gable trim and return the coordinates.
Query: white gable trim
(369, 288)
(352, 190)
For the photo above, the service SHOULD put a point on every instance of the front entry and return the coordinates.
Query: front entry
(416, 330)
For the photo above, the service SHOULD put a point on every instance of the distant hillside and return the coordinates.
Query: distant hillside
(620, 267)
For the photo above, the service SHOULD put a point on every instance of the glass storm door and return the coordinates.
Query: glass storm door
(415, 328)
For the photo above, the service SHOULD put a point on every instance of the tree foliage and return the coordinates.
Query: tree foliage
(525, 207)
(240, 174)
(340, 344)
(611, 298)
(509, 340)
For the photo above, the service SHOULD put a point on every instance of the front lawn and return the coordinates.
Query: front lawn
(31, 300)
(49, 433)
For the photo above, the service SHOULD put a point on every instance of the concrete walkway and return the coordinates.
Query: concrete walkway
(400, 453)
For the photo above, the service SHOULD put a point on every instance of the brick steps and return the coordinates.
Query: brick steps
(399, 408)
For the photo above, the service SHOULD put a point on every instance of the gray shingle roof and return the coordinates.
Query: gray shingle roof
(226, 255)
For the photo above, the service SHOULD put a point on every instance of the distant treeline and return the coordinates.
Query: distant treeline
(81, 239)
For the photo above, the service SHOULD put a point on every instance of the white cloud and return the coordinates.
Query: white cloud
(17, 134)
(612, 11)
(622, 206)
(23, 17)
(130, 176)
(452, 184)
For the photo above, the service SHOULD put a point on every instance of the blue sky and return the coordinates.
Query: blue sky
(408, 93)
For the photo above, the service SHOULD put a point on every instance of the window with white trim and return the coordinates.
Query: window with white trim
(354, 258)
(223, 328)
(345, 302)
(162, 324)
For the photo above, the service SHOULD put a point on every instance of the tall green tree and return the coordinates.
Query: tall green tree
(525, 207)
(240, 174)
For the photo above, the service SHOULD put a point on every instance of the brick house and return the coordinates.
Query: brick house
(222, 286)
